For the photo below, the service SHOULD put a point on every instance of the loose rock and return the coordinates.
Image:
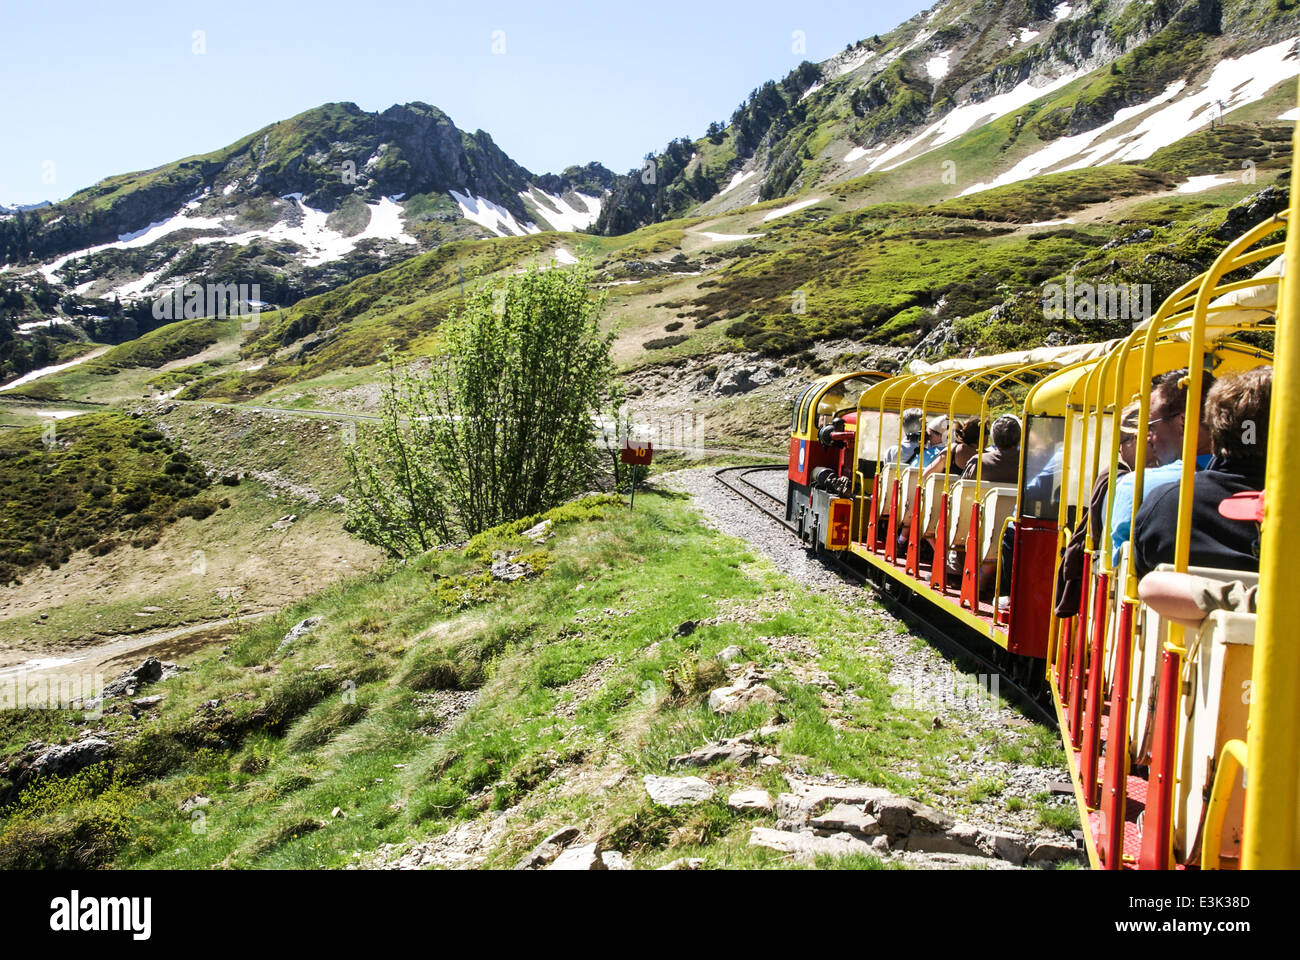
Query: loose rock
(508, 571)
(299, 630)
(585, 857)
(737, 749)
(677, 791)
(806, 846)
(750, 800)
(538, 533)
(550, 848)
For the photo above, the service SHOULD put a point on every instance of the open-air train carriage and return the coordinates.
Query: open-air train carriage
(1166, 728)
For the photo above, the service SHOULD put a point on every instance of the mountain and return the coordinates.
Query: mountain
(20, 207)
(298, 207)
(946, 114)
(1074, 84)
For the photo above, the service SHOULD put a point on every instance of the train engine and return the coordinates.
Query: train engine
(819, 484)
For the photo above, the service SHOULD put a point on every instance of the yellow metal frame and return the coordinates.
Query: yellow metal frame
(1231, 760)
(807, 429)
(1271, 827)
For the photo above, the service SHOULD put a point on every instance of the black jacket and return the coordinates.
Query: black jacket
(1069, 577)
(1216, 540)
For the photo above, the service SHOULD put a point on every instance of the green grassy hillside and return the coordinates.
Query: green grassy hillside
(98, 482)
(430, 696)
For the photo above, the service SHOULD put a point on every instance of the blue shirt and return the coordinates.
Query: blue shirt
(932, 454)
(1044, 483)
(1122, 512)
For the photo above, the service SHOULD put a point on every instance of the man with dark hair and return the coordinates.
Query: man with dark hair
(1236, 414)
(1165, 426)
(1002, 463)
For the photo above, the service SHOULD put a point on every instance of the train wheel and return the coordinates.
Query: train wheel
(1028, 672)
(897, 592)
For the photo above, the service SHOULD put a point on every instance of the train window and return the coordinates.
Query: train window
(876, 432)
(800, 419)
(842, 398)
(1044, 452)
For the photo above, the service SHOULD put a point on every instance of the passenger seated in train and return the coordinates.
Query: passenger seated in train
(1165, 439)
(1001, 465)
(965, 444)
(909, 451)
(1039, 492)
(1002, 461)
(1236, 413)
(936, 442)
(1188, 599)
(1069, 580)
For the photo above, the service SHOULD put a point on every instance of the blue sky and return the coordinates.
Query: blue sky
(95, 89)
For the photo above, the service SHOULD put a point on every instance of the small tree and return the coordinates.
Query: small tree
(502, 425)
(398, 502)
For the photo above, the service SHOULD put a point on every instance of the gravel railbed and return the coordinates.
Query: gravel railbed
(916, 668)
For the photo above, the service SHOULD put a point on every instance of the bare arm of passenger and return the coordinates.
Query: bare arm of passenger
(1172, 596)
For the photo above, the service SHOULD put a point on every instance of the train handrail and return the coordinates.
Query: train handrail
(998, 577)
(1232, 757)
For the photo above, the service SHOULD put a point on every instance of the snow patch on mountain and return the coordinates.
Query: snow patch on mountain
(28, 377)
(138, 238)
(492, 216)
(561, 215)
(1201, 184)
(967, 117)
(739, 178)
(792, 208)
(939, 65)
(385, 223)
(322, 243)
(1164, 119)
(136, 288)
(729, 237)
(42, 324)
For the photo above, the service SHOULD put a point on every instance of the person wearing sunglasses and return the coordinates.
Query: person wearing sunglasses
(1165, 442)
(1236, 414)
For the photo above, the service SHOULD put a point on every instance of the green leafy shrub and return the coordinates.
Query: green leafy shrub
(500, 427)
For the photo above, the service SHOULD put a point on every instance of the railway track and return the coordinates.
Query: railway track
(735, 479)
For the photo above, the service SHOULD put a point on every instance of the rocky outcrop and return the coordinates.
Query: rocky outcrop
(297, 632)
(842, 818)
(748, 688)
(38, 760)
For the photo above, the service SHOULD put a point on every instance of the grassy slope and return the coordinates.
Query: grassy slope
(290, 465)
(348, 717)
(99, 481)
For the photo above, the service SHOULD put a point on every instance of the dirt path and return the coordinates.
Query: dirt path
(105, 660)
